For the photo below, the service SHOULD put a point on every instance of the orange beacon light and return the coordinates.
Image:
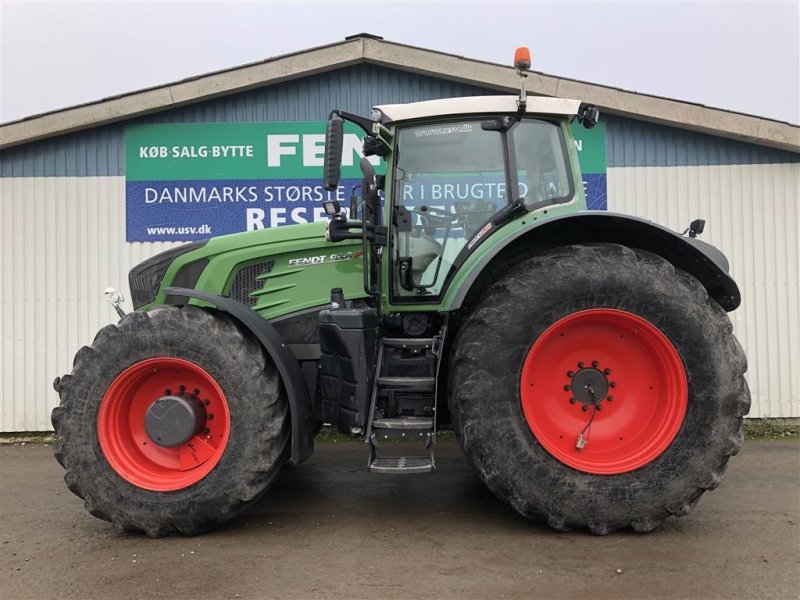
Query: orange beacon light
(522, 59)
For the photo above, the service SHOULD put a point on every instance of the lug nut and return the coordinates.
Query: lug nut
(206, 431)
(168, 392)
(610, 398)
(210, 416)
(572, 400)
(598, 407)
(584, 408)
(570, 373)
(595, 364)
(567, 388)
(206, 402)
(196, 392)
(181, 388)
(612, 384)
(607, 371)
(580, 364)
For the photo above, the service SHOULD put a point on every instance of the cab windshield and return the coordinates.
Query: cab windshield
(450, 179)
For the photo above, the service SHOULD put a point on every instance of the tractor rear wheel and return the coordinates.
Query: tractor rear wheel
(171, 421)
(598, 386)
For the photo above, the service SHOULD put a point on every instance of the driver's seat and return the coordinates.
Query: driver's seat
(472, 215)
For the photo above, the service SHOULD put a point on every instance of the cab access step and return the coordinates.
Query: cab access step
(403, 406)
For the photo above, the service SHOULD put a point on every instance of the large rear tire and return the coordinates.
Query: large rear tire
(124, 471)
(598, 386)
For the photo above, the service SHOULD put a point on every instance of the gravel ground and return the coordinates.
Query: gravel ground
(329, 529)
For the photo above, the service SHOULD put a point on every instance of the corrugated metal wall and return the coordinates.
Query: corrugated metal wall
(62, 220)
(63, 243)
(101, 151)
(752, 214)
(750, 198)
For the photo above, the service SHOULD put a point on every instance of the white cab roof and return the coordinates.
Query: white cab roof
(476, 105)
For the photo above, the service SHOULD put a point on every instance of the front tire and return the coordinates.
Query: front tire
(124, 471)
(598, 386)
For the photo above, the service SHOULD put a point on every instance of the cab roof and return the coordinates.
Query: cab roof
(475, 105)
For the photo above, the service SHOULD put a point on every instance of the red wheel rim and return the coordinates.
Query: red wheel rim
(645, 400)
(125, 442)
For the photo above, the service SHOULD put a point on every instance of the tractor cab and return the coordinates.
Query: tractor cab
(458, 170)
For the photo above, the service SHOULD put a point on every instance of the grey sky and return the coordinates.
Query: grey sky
(738, 56)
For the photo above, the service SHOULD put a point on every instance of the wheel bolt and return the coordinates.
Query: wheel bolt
(612, 384)
(570, 373)
(567, 388)
(584, 408)
(607, 371)
(580, 364)
(595, 364)
(572, 401)
(610, 398)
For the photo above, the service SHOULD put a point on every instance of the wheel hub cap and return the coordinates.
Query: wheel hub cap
(589, 386)
(173, 420)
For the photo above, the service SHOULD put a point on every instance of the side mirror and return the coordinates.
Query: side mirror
(588, 115)
(334, 143)
(696, 227)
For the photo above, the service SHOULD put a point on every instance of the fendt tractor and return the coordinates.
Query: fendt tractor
(584, 359)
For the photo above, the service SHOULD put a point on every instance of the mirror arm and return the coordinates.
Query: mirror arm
(365, 124)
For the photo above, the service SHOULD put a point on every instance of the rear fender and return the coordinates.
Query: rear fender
(703, 261)
(300, 405)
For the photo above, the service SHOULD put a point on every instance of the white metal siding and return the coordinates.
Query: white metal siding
(752, 213)
(63, 243)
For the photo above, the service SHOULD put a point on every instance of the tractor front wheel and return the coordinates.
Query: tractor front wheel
(171, 421)
(598, 386)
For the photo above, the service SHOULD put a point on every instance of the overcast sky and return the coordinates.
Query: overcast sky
(739, 56)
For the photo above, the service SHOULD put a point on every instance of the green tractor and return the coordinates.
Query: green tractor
(584, 359)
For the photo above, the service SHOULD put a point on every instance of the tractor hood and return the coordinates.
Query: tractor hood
(273, 271)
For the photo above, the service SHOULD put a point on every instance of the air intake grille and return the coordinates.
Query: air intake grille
(245, 282)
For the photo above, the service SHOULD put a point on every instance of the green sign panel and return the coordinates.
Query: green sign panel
(591, 145)
(219, 151)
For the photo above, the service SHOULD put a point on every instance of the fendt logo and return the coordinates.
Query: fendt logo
(323, 259)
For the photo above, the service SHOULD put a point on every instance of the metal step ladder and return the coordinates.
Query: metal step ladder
(382, 431)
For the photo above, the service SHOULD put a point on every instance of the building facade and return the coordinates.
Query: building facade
(65, 220)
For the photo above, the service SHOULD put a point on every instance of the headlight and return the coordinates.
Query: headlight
(145, 278)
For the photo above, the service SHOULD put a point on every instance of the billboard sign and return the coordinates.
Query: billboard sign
(191, 181)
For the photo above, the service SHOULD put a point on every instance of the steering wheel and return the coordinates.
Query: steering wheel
(434, 217)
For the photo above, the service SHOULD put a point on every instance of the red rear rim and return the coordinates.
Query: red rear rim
(604, 391)
(125, 442)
